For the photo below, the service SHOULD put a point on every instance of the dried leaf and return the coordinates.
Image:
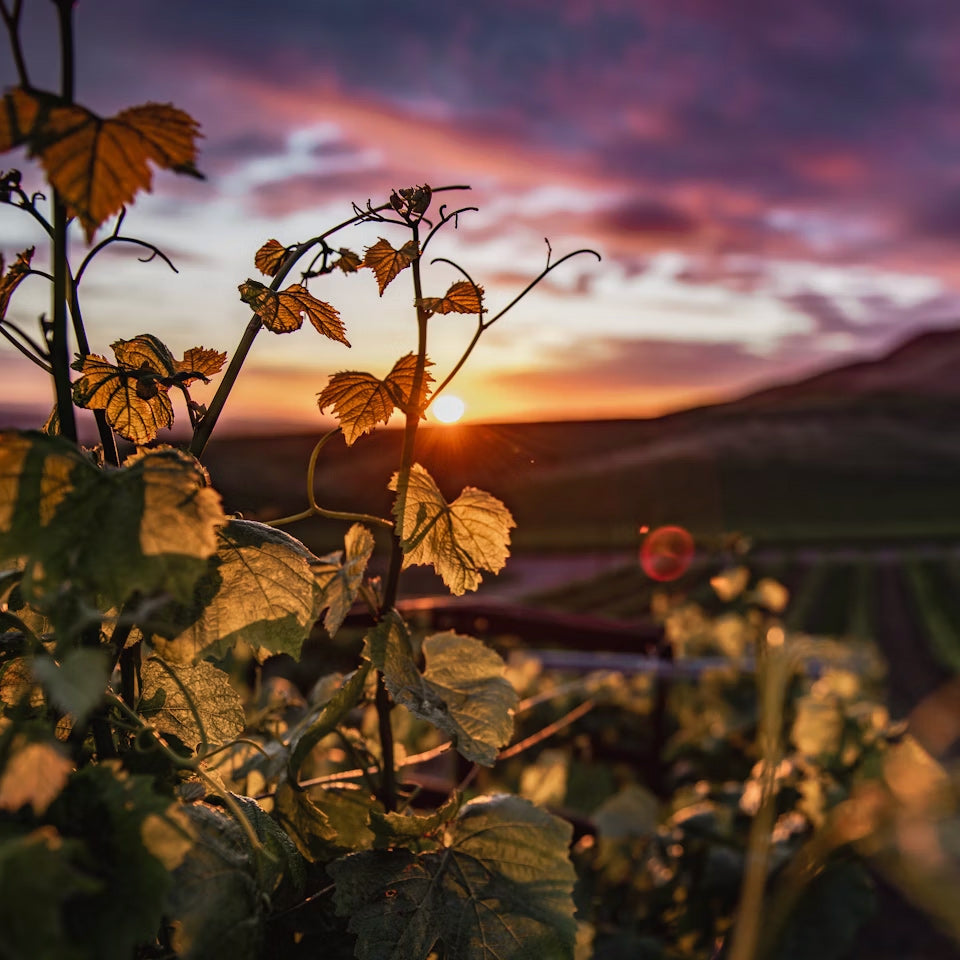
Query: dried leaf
(386, 262)
(459, 539)
(283, 312)
(340, 578)
(361, 401)
(11, 279)
(462, 297)
(269, 257)
(98, 165)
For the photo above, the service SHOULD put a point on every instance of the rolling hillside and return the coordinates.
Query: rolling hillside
(865, 451)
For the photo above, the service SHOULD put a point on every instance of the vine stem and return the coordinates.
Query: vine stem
(59, 352)
(201, 435)
(12, 20)
(182, 763)
(484, 325)
(411, 422)
(315, 510)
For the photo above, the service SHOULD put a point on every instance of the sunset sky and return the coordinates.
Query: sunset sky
(774, 187)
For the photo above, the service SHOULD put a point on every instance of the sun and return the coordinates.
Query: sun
(448, 408)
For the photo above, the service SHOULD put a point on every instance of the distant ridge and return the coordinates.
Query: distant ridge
(924, 365)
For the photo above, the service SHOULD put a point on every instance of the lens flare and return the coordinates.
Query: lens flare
(666, 553)
(448, 408)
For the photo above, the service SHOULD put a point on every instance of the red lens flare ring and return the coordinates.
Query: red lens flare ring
(666, 553)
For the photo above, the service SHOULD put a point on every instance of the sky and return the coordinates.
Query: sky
(773, 187)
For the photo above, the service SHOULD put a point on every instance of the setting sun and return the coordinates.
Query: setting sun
(448, 408)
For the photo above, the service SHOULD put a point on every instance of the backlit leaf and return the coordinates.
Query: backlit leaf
(150, 526)
(340, 578)
(269, 257)
(348, 261)
(260, 589)
(361, 401)
(145, 352)
(386, 262)
(462, 691)
(399, 382)
(10, 280)
(34, 775)
(213, 704)
(499, 889)
(282, 312)
(137, 408)
(462, 297)
(98, 165)
(199, 363)
(459, 539)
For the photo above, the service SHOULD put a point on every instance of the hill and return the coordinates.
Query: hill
(866, 450)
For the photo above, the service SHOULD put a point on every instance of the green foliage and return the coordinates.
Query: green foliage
(194, 702)
(458, 539)
(260, 589)
(100, 535)
(462, 691)
(497, 885)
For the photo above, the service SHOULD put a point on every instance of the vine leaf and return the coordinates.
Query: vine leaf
(348, 261)
(77, 684)
(213, 712)
(199, 363)
(98, 165)
(459, 539)
(410, 830)
(500, 888)
(269, 257)
(462, 297)
(215, 904)
(136, 404)
(37, 877)
(134, 392)
(109, 811)
(361, 401)
(150, 526)
(325, 823)
(331, 716)
(260, 588)
(462, 691)
(10, 280)
(282, 312)
(33, 775)
(386, 262)
(339, 578)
